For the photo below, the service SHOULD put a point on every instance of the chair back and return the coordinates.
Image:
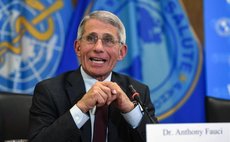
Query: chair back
(14, 115)
(217, 110)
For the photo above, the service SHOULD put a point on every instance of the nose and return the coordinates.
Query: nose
(98, 45)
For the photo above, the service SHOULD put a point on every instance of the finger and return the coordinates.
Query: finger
(100, 97)
(103, 93)
(115, 88)
(111, 85)
(113, 96)
(111, 99)
(113, 91)
(108, 92)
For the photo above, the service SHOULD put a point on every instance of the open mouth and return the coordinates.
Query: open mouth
(97, 60)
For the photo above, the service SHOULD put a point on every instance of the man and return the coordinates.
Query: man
(64, 108)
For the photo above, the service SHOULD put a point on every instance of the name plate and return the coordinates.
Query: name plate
(189, 132)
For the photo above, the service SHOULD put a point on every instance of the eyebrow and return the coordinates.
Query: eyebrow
(104, 34)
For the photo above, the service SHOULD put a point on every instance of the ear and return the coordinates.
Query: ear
(77, 48)
(122, 52)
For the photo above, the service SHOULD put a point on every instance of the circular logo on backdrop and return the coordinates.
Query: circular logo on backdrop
(158, 36)
(31, 43)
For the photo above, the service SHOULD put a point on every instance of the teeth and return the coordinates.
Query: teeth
(98, 60)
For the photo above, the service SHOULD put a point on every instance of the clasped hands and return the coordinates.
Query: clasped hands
(105, 93)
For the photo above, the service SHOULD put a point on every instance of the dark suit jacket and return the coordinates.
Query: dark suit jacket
(51, 121)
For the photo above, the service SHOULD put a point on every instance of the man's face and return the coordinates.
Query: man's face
(96, 55)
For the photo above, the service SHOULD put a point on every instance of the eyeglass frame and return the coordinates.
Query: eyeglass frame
(103, 40)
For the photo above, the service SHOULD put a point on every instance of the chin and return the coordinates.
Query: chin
(99, 74)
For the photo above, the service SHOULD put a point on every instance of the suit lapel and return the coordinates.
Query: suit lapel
(75, 88)
(121, 81)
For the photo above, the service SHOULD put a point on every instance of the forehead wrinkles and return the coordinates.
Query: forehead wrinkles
(89, 25)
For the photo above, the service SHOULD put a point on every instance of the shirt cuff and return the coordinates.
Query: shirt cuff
(134, 116)
(78, 116)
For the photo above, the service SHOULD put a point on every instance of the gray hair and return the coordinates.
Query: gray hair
(106, 17)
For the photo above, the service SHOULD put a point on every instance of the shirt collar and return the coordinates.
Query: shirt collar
(90, 81)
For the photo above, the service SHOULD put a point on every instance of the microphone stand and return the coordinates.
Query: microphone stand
(136, 97)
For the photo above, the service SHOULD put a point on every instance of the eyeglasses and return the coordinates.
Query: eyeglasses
(107, 40)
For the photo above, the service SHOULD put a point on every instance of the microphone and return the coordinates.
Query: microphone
(136, 96)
